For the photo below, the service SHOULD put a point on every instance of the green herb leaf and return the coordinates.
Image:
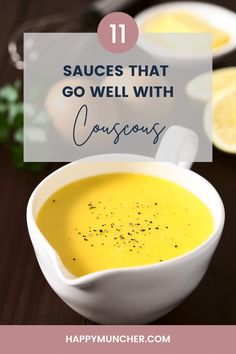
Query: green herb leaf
(4, 129)
(17, 85)
(35, 167)
(19, 136)
(9, 93)
(15, 114)
(18, 160)
(17, 155)
(3, 107)
(11, 125)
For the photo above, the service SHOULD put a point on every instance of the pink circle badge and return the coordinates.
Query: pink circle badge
(118, 32)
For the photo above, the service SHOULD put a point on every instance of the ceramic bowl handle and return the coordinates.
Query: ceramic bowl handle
(179, 146)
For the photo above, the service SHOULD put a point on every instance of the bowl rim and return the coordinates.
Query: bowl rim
(163, 7)
(34, 233)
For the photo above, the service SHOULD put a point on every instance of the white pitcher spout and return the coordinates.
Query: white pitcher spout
(80, 282)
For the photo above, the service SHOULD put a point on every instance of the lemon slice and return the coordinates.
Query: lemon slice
(224, 120)
(223, 79)
(201, 86)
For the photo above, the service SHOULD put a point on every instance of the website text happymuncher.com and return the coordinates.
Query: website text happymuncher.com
(121, 338)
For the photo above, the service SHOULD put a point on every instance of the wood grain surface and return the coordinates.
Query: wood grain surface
(25, 296)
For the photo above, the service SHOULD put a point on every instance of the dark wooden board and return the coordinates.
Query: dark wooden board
(25, 296)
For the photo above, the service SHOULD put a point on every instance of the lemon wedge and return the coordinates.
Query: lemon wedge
(223, 120)
(200, 87)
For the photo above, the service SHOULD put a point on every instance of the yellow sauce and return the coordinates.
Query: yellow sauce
(122, 220)
(184, 22)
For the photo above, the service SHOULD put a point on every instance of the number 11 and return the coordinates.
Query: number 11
(114, 30)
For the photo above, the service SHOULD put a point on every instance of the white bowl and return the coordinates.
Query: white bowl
(134, 295)
(217, 16)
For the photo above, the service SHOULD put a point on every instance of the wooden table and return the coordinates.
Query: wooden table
(25, 296)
